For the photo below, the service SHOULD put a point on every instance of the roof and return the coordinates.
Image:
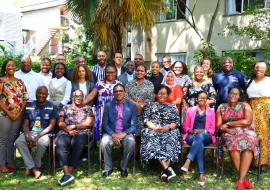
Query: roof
(42, 4)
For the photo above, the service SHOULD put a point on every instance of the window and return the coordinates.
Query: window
(239, 6)
(173, 11)
(174, 57)
(256, 54)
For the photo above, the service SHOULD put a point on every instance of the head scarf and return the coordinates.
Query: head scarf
(174, 80)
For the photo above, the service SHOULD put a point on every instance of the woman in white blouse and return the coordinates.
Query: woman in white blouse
(258, 90)
(59, 86)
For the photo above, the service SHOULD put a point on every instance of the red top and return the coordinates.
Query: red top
(176, 93)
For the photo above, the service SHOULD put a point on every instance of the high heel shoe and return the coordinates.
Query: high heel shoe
(248, 184)
(239, 186)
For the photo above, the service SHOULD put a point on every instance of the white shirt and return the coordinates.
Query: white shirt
(130, 77)
(32, 81)
(46, 79)
(82, 87)
(55, 82)
(260, 89)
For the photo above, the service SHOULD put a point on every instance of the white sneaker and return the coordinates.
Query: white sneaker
(170, 173)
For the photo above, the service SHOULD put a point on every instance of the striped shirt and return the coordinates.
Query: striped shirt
(99, 72)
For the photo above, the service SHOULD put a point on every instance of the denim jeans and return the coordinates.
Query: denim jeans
(196, 152)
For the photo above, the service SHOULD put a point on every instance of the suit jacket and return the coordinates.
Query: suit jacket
(123, 78)
(129, 117)
(210, 123)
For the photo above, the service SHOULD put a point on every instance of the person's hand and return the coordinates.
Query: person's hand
(139, 108)
(35, 139)
(223, 127)
(71, 127)
(230, 131)
(119, 135)
(12, 116)
(73, 133)
(161, 129)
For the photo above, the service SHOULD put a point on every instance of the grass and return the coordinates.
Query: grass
(148, 180)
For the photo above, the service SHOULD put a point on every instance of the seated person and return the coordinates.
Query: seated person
(199, 131)
(119, 127)
(74, 122)
(38, 120)
(160, 137)
(234, 119)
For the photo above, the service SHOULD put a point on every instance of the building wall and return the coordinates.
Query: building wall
(179, 37)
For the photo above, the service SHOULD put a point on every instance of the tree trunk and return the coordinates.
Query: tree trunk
(210, 31)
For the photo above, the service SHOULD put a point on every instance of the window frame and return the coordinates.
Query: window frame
(159, 56)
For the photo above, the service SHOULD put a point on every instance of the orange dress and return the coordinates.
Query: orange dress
(176, 93)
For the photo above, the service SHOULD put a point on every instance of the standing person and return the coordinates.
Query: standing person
(45, 71)
(79, 60)
(99, 69)
(73, 135)
(175, 96)
(38, 121)
(60, 86)
(206, 63)
(181, 72)
(156, 76)
(60, 58)
(138, 60)
(160, 137)
(118, 62)
(31, 79)
(140, 91)
(234, 119)
(258, 93)
(227, 79)
(119, 126)
(12, 103)
(104, 90)
(129, 74)
(199, 84)
(199, 131)
(166, 61)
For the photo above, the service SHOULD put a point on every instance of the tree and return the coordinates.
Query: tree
(109, 18)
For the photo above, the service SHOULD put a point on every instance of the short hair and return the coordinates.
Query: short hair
(119, 85)
(226, 58)
(4, 65)
(73, 93)
(27, 57)
(154, 63)
(125, 65)
(167, 56)
(118, 52)
(143, 67)
(185, 69)
(165, 87)
(106, 69)
(88, 74)
(65, 68)
(201, 92)
(197, 67)
(42, 87)
(46, 59)
(77, 58)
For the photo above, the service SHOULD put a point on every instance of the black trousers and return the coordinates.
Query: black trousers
(69, 149)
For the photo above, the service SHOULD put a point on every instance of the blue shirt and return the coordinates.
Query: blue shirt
(39, 116)
(224, 81)
(199, 122)
(99, 72)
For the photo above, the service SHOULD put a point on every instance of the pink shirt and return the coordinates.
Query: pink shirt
(119, 118)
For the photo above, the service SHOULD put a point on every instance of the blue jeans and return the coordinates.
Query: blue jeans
(196, 152)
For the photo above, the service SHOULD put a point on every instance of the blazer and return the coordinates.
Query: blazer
(129, 117)
(123, 78)
(210, 123)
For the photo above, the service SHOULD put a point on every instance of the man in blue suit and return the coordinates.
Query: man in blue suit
(119, 127)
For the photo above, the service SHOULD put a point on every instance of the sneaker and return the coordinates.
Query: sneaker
(66, 179)
(170, 173)
(164, 175)
(248, 184)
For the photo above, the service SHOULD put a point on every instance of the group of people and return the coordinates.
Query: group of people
(153, 110)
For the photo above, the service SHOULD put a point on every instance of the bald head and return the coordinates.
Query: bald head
(26, 64)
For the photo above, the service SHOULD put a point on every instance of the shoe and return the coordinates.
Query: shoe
(27, 172)
(239, 186)
(248, 184)
(10, 167)
(5, 170)
(124, 173)
(66, 179)
(84, 159)
(170, 173)
(164, 175)
(37, 173)
(201, 183)
(184, 169)
(107, 173)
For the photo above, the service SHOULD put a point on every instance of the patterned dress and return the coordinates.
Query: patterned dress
(182, 80)
(190, 91)
(160, 146)
(105, 94)
(245, 137)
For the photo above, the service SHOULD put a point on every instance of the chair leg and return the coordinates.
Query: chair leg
(134, 160)
(259, 164)
(88, 159)
(100, 160)
(54, 158)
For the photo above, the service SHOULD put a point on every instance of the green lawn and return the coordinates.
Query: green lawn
(141, 180)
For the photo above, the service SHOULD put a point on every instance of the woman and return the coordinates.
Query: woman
(104, 90)
(258, 92)
(82, 79)
(181, 72)
(73, 134)
(191, 89)
(60, 86)
(175, 96)
(12, 103)
(160, 137)
(207, 68)
(199, 131)
(140, 91)
(156, 76)
(234, 119)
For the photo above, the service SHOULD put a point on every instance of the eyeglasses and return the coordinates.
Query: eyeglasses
(178, 67)
(78, 96)
(118, 91)
(234, 94)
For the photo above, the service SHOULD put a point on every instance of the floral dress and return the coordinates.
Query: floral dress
(160, 146)
(13, 95)
(105, 94)
(245, 137)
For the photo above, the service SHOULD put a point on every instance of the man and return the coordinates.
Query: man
(38, 120)
(119, 127)
(60, 58)
(79, 60)
(166, 60)
(118, 62)
(31, 79)
(129, 74)
(138, 60)
(227, 79)
(45, 73)
(99, 69)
